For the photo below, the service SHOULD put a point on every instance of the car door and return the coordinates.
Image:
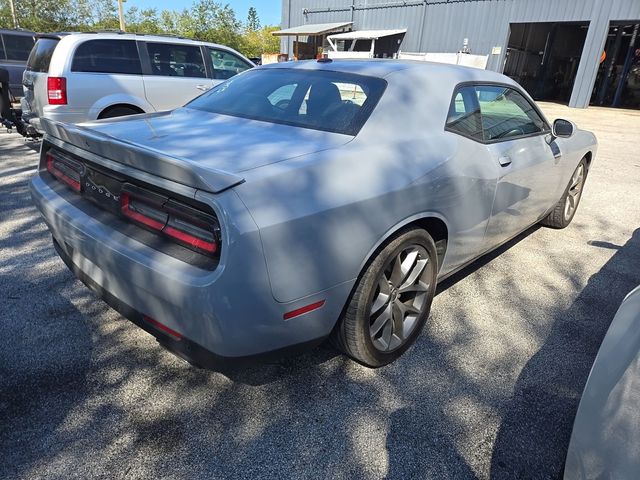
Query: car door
(174, 74)
(516, 136)
(469, 199)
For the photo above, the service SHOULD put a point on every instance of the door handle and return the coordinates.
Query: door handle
(504, 161)
(204, 88)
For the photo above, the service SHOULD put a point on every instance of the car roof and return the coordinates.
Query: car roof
(384, 67)
(18, 31)
(81, 36)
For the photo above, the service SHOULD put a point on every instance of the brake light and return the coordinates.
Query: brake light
(185, 225)
(64, 169)
(142, 212)
(57, 90)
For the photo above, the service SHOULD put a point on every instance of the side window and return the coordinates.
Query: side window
(464, 114)
(2, 57)
(175, 60)
(506, 113)
(226, 64)
(107, 56)
(281, 96)
(17, 47)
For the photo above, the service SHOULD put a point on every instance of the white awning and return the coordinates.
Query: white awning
(313, 29)
(366, 34)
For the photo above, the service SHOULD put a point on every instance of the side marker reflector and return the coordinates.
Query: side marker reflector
(302, 310)
(164, 328)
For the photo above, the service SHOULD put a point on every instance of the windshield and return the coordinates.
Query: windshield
(321, 100)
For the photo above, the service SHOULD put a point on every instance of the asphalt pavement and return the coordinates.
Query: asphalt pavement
(489, 390)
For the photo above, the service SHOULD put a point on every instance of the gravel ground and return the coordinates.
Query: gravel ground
(489, 390)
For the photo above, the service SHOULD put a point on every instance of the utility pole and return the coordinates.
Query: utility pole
(120, 14)
(13, 14)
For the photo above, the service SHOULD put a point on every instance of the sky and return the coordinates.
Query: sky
(268, 10)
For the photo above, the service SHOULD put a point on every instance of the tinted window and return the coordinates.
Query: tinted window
(226, 64)
(490, 113)
(173, 60)
(2, 57)
(321, 100)
(464, 114)
(40, 56)
(506, 113)
(17, 47)
(107, 56)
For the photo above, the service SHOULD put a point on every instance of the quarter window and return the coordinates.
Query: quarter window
(174, 60)
(107, 56)
(464, 114)
(226, 64)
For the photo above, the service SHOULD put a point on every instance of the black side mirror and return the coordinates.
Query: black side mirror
(562, 128)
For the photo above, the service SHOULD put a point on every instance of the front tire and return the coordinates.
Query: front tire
(564, 211)
(391, 301)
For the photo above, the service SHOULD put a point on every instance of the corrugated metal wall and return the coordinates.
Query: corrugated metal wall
(441, 25)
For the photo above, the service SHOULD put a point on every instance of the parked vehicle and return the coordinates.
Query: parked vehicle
(605, 442)
(15, 46)
(303, 200)
(78, 77)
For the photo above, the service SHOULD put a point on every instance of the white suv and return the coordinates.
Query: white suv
(80, 77)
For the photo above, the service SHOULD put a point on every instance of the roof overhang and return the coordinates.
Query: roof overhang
(312, 29)
(366, 34)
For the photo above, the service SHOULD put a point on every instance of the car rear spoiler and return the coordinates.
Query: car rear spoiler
(172, 168)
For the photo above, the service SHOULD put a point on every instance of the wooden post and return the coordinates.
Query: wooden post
(13, 14)
(297, 49)
(121, 15)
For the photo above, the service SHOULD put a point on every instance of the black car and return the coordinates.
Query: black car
(15, 46)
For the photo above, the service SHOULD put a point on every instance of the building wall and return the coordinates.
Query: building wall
(441, 25)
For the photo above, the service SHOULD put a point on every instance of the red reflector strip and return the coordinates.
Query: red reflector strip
(191, 240)
(164, 328)
(51, 168)
(302, 310)
(138, 217)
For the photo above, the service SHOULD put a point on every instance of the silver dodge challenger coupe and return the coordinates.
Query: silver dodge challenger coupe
(300, 201)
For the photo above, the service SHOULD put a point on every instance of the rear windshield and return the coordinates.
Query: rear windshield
(320, 100)
(17, 47)
(40, 56)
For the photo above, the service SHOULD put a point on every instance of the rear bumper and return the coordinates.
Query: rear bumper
(58, 113)
(226, 313)
(184, 348)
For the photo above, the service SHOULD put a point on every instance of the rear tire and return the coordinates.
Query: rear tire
(391, 301)
(565, 209)
(114, 112)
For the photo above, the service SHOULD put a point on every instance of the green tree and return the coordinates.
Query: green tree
(253, 22)
(255, 43)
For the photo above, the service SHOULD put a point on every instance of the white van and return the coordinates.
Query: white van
(80, 77)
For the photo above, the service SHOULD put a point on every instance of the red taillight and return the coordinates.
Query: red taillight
(182, 223)
(65, 170)
(135, 210)
(57, 90)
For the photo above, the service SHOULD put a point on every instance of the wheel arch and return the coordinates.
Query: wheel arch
(432, 222)
(118, 100)
(120, 105)
(588, 156)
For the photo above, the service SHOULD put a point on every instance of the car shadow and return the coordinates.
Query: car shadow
(551, 383)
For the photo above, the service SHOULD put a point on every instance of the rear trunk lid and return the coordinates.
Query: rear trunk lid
(199, 149)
